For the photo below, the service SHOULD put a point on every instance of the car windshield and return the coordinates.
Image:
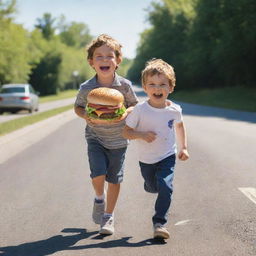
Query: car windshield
(12, 89)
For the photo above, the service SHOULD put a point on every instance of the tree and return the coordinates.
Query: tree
(124, 66)
(222, 43)
(7, 9)
(44, 76)
(74, 34)
(209, 43)
(14, 57)
(46, 25)
(165, 39)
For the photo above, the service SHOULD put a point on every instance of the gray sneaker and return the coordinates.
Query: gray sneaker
(107, 225)
(160, 231)
(98, 211)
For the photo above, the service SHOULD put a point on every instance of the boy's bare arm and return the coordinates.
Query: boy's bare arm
(82, 113)
(182, 139)
(132, 134)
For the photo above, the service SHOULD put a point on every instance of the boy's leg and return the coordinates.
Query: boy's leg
(155, 174)
(99, 201)
(98, 166)
(114, 177)
(98, 184)
(107, 223)
(148, 172)
(164, 176)
(112, 195)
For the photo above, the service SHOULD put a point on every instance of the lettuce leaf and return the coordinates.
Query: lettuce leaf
(89, 110)
(120, 111)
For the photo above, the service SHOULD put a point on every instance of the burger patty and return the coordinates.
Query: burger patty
(106, 115)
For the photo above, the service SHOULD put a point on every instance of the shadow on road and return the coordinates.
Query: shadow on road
(61, 243)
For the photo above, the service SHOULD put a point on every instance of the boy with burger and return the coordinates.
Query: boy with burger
(153, 124)
(104, 102)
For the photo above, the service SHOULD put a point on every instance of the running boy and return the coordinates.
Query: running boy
(154, 121)
(106, 146)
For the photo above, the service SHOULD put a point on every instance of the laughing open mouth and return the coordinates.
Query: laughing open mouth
(104, 68)
(158, 96)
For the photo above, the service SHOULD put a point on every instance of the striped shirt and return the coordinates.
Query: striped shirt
(107, 135)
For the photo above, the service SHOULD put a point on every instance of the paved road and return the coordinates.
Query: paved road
(46, 195)
(42, 107)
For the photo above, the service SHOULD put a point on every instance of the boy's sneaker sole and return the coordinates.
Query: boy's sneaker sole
(105, 231)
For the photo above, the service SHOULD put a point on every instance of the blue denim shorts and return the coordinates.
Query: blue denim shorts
(104, 161)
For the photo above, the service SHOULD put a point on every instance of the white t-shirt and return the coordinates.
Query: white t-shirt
(159, 120)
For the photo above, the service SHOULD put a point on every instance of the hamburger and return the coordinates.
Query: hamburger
(105, 104)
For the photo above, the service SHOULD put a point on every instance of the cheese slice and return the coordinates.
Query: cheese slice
(99, 112)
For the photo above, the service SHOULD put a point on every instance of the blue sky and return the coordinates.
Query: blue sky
(122, 19)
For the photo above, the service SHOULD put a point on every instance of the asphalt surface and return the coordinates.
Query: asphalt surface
(46, 194)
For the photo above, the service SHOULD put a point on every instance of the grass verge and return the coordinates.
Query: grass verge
(60, 96)
(238, 98)
(16, 124)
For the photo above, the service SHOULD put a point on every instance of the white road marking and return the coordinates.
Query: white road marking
(250, 193)
(183, 222)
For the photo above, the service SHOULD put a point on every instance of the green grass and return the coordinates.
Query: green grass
(59, 96)
(16, 124)
(238, 98)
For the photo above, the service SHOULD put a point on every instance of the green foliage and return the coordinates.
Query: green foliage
(166, 40)
(14, 53)
(46, 25)
(44, 76)
(7, 9)
(222, 44)
(74, 34)
(46, 60)
(124, 67)
(209, 43)
(38, 47)
(73, 62)
(181, 6)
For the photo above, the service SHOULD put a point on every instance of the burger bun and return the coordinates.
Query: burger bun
(105, 96)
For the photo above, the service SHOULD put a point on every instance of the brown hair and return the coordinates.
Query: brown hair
(104, 40)
(157, 67)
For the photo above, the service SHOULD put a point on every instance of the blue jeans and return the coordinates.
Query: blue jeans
(158, 178)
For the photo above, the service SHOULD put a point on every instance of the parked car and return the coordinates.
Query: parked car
(15, 97)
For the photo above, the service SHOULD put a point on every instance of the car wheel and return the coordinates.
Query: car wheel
(31, 110)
